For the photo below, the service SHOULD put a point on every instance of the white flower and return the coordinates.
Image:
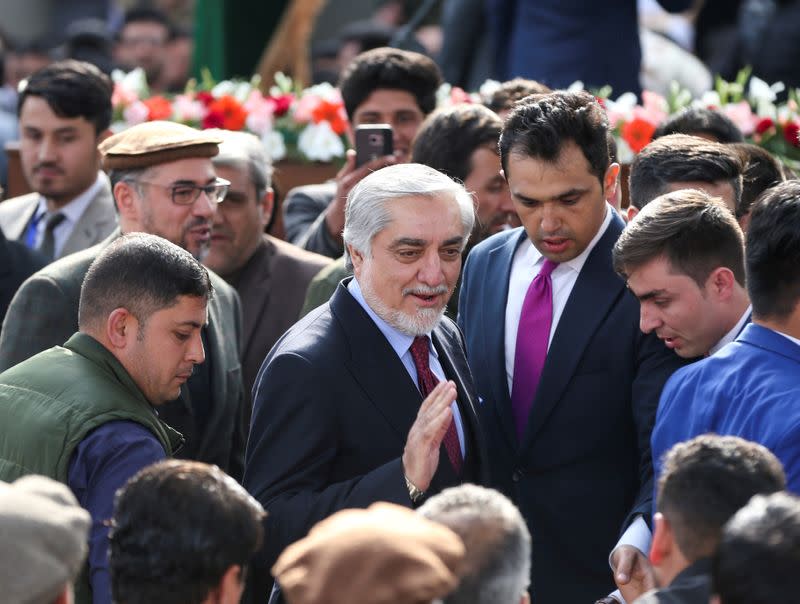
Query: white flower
(625, 154)
(488, 88)
(318, 142)
(710, 98)
(576, 86)
(223, 88)
(325, 91)
(761, 91)
(443, 95)
(135, 81)
(241, 91)
(274, 145)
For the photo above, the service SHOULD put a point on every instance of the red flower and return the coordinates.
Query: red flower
(638, 133)
(205, 97)
(214, 119)
(790, 132)
(282, 103)
(332, 113)
(601, 100)
(158, 108)
(233, 114)
(763, 125)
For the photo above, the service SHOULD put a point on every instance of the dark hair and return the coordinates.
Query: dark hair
(146, 15)
(706, 480)
(682, 158)
(497, 542)
(696, 233)
(390, 68)
(178, 526)
(143, 274)
(72, 89)
(759, 553)
(540, 125)
(699, 120)
(448, 137)
(772, 256)
(761, 171)
(511, 91)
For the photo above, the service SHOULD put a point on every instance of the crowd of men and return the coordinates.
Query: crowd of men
(481, 380)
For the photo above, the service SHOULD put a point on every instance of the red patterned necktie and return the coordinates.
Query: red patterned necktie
(427, 382)
(533, 335)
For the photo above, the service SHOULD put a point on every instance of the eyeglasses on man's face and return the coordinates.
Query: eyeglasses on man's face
(185, 194)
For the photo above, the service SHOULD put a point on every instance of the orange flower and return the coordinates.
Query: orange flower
(637, 133)
(233, 114)
(158, 108)
(332, 113)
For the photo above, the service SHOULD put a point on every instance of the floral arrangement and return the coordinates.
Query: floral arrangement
(752, 106)
(305, 125)
(311, 124)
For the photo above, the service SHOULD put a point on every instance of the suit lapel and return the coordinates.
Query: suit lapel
(254, 289)
(374, 365)
(18, 225)
(594, 293)
(92, 223)
(494, 331)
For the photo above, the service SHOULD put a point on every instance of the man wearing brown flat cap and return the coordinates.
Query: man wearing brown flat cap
(163, 184)
(385, 554)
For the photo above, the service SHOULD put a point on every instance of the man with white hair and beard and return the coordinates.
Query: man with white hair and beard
(369, 397)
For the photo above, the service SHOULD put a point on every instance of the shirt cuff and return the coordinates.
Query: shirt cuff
(638, 535)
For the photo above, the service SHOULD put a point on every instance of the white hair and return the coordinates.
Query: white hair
(367, 214)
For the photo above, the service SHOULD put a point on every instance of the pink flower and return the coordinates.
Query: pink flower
(260, 111)
(187, 109)
(304, 108)
(655, 107)
(742, 115)
(457, 96)
(122, 97)
(136, 113)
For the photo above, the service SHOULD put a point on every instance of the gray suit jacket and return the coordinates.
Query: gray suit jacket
(44, 313)
(272, 287)
(96, 222)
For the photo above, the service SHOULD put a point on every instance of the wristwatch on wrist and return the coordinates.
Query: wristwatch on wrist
(413, 492)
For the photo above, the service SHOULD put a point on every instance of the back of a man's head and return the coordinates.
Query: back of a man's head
(702, 122)
(705, 481)
(679, 158)
(759, 553)
(502, 99)
(761, 170)
(497, 542)
(392, 69)
(141, 273)
(72, 89)
(180, 530)
(772, 253)
(43, 540)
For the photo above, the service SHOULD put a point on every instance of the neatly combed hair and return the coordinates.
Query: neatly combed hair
(682, 158)
(390, 68)
(706, 480)
(696, 233)
(449, 136)
(539, 126)
(72, 89)
(244, 150)
(178, 526)
(772, 257)
(143, 274)
(761, 171)
(367, 212)
(509, 92)
(698, 121)
(759, 553)
(498, 545)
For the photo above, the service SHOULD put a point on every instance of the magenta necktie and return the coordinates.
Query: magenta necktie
(533, 334)
(427, 382)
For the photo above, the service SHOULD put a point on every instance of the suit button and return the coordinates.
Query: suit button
(517, 475)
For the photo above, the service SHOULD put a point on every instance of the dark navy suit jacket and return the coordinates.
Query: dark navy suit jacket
(583, 467)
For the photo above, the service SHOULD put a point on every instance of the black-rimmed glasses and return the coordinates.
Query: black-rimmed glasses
(185, 194)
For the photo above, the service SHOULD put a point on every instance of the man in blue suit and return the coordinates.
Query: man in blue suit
(751, 388)
(568, 381)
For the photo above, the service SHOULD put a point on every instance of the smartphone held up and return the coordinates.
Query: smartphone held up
(373, 141)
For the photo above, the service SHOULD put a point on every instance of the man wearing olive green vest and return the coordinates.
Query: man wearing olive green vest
(83, 413)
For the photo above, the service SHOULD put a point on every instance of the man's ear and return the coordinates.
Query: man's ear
(121, 328)
(632, 212)
(265, 206)
(611, 180)
(65, 597)
(230, 587)
(721, 282)
(663, 540)
(357, 258)
(525, 598)
(127, 201)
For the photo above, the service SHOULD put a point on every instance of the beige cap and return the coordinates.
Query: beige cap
(385, 554)
(158, 142)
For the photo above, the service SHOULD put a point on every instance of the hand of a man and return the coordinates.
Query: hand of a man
(633, 572)
(347, 178)
(421, 453)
